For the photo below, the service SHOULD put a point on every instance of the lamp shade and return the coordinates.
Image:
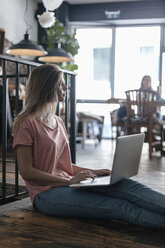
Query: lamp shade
(26, 48)
(56, 55)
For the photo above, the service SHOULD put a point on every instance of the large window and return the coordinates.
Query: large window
(137, 54)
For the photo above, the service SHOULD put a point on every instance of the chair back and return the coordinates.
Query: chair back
(140, 105)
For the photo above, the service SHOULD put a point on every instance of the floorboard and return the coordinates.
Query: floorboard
(22, 227)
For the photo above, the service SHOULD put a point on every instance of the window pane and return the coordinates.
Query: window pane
(93, 59)
(163, 75)
(93, 75)
(137, 54)
(101, 57)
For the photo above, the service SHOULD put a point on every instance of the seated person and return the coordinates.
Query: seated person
(43, 154)
(146, 85)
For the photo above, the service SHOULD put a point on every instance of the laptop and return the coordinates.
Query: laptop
(125, 163)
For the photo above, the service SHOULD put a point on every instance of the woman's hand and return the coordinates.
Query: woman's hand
(102, 172)
(82, 175)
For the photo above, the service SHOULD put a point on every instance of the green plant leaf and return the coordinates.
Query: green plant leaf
(70, 67)
(57, 34)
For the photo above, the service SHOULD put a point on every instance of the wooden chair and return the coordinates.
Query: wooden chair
(141, 113)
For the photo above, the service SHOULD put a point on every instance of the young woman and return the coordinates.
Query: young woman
(146, 83)
(44, 161)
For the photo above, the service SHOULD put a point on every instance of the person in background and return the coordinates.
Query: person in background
(43, 155)
(146, 83)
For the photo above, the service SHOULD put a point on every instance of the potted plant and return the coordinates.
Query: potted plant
(57, 34)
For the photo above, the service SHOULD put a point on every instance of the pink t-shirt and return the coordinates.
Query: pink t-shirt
(51, 151)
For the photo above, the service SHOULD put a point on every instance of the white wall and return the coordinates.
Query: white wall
(12, 19)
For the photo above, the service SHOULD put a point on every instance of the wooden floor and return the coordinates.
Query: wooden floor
(22, 227)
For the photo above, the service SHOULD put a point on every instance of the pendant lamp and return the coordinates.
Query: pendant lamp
(26, 47)
(56, 55)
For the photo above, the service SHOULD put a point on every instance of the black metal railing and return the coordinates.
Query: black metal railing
(69, 117)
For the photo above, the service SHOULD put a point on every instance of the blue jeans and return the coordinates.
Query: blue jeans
(127, 201)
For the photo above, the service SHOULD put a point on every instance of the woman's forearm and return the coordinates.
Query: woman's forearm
(77, 169)
(44, 179)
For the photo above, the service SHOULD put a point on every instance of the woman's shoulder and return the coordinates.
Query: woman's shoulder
(28, 122)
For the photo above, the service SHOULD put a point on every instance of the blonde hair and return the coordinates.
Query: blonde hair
(40, 92)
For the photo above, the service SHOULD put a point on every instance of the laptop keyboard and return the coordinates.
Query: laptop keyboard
(96, 180)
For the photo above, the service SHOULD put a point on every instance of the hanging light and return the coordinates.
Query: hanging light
(26, 47)
(56, 55)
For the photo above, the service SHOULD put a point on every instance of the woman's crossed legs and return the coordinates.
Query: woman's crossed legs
(127, 201)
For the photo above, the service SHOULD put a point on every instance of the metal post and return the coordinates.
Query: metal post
(16, 113)
(28, 70)
(112, 62)
(73, 119)
(17, 90)
(4, 129)
(66, 102)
